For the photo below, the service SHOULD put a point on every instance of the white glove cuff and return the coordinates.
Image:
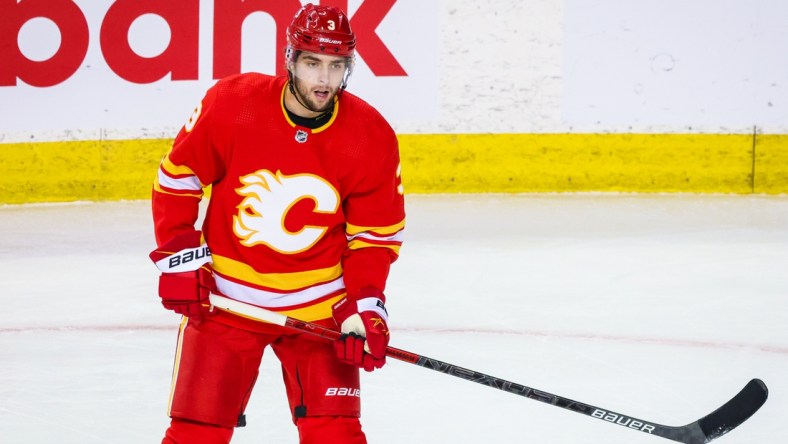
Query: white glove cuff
(373, 304)
(188, 259)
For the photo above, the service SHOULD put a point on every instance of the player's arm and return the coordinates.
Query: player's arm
(181, 256)
(375, 221)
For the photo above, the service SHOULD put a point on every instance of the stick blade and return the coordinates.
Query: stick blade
(734, 412)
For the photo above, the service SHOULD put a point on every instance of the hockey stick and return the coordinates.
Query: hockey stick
(712, 426)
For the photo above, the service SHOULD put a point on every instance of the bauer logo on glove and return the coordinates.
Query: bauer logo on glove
(185, 260)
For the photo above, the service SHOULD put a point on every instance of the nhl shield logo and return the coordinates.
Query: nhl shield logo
(301, 136)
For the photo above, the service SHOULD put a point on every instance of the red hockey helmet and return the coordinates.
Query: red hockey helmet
(321, 29)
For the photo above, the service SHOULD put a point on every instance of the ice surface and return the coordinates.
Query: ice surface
(657, 306)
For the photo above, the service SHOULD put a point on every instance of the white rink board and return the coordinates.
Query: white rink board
(509, 66)
(672, 64)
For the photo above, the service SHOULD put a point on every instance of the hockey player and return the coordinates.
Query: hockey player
(305, 217)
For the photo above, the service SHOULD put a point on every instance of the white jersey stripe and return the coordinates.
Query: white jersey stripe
(185, 183)
(396, 237)
(272, 299)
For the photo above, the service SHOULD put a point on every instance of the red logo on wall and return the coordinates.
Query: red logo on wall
(180, 58)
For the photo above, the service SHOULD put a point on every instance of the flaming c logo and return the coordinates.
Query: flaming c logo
(268, 197)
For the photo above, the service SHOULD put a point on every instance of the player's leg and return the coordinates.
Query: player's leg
(215, 369)
(324, 394)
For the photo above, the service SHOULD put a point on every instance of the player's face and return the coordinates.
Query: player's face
(317, 78)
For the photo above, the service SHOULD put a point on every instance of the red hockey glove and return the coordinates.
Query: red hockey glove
(186, 279)
(363, 321)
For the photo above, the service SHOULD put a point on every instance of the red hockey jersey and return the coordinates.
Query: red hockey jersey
(296, 217)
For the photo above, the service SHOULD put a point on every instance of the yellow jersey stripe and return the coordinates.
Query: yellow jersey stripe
(175, 170)
(314, 312)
